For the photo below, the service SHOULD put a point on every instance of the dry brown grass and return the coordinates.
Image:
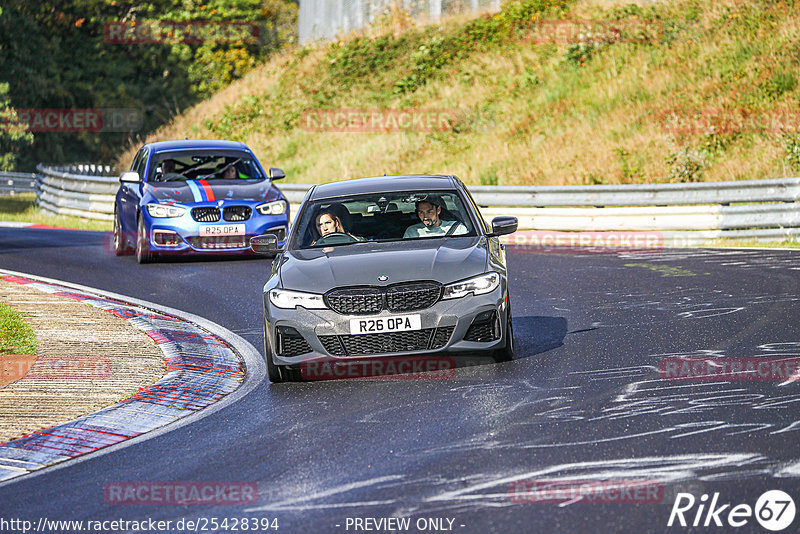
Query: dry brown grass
(600, 123)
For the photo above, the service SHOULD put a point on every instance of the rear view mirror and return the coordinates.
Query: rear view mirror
(504, 225)
(266, 244)
(130, 177)
(276, 174)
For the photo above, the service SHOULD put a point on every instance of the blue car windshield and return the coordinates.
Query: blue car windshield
(382, 217)
(203, 165)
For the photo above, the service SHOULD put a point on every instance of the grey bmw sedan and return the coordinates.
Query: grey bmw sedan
(386, 267)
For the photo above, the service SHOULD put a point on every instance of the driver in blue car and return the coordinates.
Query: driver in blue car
(429, 211)
(168, 172)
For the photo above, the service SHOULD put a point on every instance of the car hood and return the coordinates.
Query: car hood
(442, 259)
(197, 190)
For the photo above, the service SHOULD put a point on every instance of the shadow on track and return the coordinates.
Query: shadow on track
(537, 334)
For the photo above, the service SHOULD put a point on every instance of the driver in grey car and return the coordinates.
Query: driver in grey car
(429, 211)
(328, 222)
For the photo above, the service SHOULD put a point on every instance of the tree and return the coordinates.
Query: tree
(55, 55)
(13, 137)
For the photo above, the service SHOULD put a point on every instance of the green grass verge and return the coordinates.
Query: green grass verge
(22, 208)
(16, 337)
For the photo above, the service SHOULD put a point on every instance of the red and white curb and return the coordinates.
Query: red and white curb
(204, 367)
(15, 224)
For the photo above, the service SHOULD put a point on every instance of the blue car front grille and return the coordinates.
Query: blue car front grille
(206, 214)
(236, 213)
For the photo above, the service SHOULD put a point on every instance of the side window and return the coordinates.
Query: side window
(140, 168)
(136, 159)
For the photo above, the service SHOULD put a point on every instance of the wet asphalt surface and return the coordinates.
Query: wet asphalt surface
(583, 400)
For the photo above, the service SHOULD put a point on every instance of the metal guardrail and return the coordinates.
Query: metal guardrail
(17, 182)
(779, 190)
(757, 209)
(77, 190)
(678, 194)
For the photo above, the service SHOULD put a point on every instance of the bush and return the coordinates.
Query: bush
(792, 147)
(687, 165)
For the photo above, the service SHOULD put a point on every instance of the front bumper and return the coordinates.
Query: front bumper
(462, 325)
(180, 235)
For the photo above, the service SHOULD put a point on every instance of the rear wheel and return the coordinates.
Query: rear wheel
(121, 247)
(143, 254)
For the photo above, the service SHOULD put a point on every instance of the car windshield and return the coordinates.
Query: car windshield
(181, 166)
(382, 217)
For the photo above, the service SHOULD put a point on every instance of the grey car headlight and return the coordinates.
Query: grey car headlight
(477, 285)
(162, 211)
(277, 207)
(286, 299)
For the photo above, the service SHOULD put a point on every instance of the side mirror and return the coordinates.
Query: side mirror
(504, 225)
(276, 174)
(266, 244)
(130, 177)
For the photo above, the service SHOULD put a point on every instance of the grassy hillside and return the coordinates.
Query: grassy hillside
(544, 92)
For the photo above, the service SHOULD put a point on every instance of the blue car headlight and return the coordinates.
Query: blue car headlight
(477, 285)
(162, 211)
(277, 207)
(287, 300)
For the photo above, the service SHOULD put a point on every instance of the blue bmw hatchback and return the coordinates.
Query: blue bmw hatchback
(199, 197)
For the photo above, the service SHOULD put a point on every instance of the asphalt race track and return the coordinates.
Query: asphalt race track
(583, 400)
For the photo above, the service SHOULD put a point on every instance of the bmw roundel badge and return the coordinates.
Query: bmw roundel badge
(383, 278)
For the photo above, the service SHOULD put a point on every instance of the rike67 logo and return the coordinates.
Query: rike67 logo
(774, 510)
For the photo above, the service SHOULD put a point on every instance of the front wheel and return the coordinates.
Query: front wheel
(506, 354)
(143, 254)
(121, 247)
(276, 373)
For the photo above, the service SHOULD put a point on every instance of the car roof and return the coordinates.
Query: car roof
(384, 184)
(196, 144)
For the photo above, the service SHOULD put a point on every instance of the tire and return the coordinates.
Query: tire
(506, 354)
(143, 254)
(121, 247)
(276, 373)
